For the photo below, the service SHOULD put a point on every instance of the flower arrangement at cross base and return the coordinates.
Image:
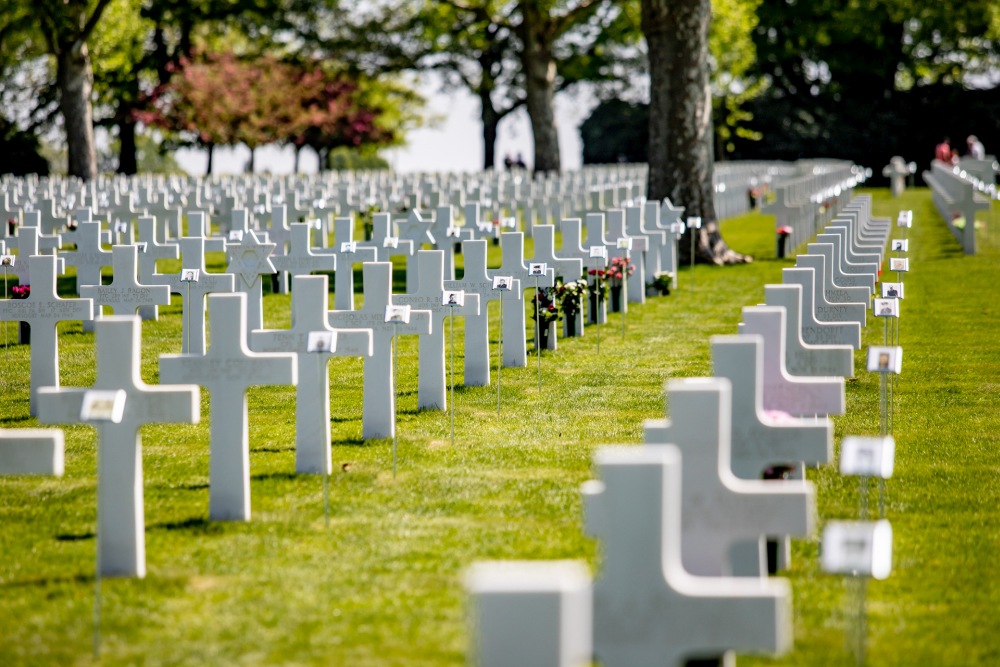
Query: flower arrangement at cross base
(662, 282)
(546, 314)
(569, 296)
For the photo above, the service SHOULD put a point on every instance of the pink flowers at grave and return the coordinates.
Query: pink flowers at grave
(21, 291)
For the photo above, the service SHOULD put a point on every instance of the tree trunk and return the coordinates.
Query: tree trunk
(250, 165)
(75, 81)
(210, 149)
(539, 66)
(295, 163)
(127, 159)
(680, 120)
(491, 122)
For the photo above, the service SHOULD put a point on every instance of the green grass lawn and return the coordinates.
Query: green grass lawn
(382, 584)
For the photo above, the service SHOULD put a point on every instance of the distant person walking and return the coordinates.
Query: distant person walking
(976, 150)
(943, 151)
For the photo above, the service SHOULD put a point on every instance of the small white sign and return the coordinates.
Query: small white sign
(103, 406)
(899, 264)
(887, 307)
(867, 457)
(321, 341)
(509, 222)
(141, 246)
(885, 359)
(537, 269)
(857, 548)
(7, 260)
(397, 314)
(390, 242)
(453, 232)
(121, 227)
(624, 243)
(502, 282)
(900, 245)
(892, 290)
(235, 235)
(315, 223)
(484, 226)
(349, 246)
(694, 222)
(905, 219)
(190, 275)
(449, 298)
(599, 251)
(677, 228)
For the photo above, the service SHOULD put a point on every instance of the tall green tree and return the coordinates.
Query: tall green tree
(61, 29)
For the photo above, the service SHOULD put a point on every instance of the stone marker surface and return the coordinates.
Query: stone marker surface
(379, 410)
(120, 513)
(648, 610)
(431, 384)
(43, 310)
(531, 613)
(815, 332)
(227, 370)
(719, 509)
(310, 300)
(32, 451)
(125, 295)
(802, 358)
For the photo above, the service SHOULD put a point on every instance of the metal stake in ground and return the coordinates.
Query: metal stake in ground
(6, 261)
(395, 315)
(693, 224)
(536, 270)
(501, 284)
(323, 343)
(453, 300)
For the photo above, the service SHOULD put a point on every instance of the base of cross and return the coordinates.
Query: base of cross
(710, 248)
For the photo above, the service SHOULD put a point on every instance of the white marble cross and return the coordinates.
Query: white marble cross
(199, 226)
(280, 234)
(530, 613)
(193, 293)
(720, 510)
(348, 253)
(570, 269)
(644, 221)
(847, 273)
(431, 385)
(761, 439)
(227, 370)
(43, 310)
(798, 395)
(814, 331)
(477, 336)
(248, 261)
(90, 256)
(515, 342)
(816, 260)
(634, 254)
(126, 294)
(32, 451)
(379, 411)
(803, 358)
(150, 251)
(648, 610)
(301, 258)
(120, 514)
(27, 246)
(310, 300)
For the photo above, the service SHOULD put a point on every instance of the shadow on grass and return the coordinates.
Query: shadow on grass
(51, 581)
(74, 537)
(276, 475)
(350, 442)
(198, 525)
(272, 450)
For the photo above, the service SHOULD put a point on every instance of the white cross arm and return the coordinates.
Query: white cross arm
(36, 451)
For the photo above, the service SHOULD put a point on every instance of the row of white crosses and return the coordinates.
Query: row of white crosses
(683, 570)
